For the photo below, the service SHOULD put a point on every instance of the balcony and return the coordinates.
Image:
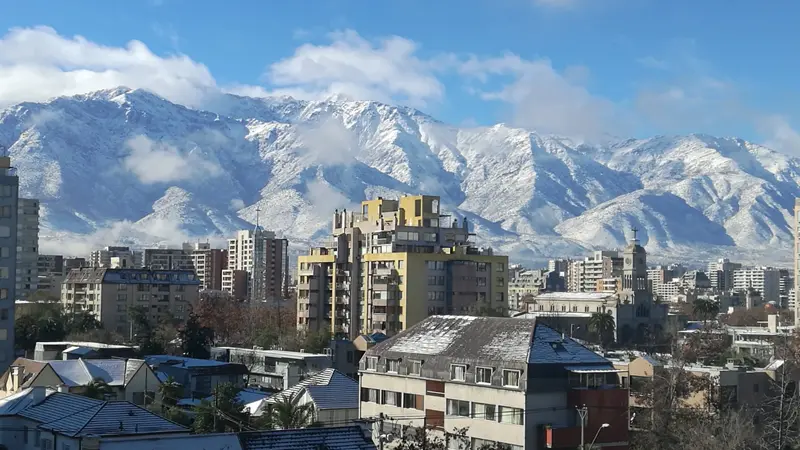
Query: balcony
(383, 271)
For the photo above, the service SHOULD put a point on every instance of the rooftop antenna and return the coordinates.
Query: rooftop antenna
(635, 230)
(258, 214)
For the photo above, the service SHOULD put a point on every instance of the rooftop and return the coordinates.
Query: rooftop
(329, 389)
(276, 353)
(329, 438)
(76, 415)
(131, 276)
(216, 441)
(488, 339)
(79, 344)
(554, 296)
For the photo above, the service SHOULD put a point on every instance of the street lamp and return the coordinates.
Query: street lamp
(605, 425)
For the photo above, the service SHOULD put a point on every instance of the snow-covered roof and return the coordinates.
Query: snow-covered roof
(80, 372)
(329, 389)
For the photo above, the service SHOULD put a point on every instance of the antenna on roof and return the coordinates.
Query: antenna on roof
(258, 216)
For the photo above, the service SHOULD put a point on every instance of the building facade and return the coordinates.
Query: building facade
(720, 274)
(393, 264)
(169, 258)
(27, 247)
(765, 280)
(509, 381)
(9, 206)
(103, 257)
(208, 264)
(110, 294)
(583, 275)
(264, 258)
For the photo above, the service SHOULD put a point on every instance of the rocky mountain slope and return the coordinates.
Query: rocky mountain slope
(127, 165)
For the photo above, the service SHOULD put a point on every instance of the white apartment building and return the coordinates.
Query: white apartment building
(102, 257)
(720, 274)
(209, 264)
(169, 258)
(765, 280)
(525, 283)
(273, 369)
(263, 257)
(584, 275)
(27, 278)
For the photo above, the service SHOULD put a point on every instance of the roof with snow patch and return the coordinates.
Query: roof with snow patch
(329, 389)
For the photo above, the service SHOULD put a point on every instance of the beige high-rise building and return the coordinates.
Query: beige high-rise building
(208, 264)
(583, 275)
(264, 258)
(110, 294)
(391, 265)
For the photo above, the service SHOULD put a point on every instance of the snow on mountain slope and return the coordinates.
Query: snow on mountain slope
(125, 165)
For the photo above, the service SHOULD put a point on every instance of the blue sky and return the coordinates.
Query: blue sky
(576, 67)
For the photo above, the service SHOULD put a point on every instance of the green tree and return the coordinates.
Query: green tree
(602, 324)
(170, 391)
(144, 332)
(316, 341)
(705, 309)
(286, 413)
(195, 339)
(224, 413)
(99, 389)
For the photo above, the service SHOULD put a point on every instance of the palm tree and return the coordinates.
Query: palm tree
(602, 324)
(99, 389)
(286, 413)
(705, 308)
(170, 391)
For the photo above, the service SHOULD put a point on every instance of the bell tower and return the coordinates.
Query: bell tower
(634, 270)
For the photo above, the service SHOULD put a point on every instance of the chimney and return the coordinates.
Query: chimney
(63, 388)
(38, 394)
(16, 377)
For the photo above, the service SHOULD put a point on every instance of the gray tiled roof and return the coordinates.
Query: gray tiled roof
(75, 415)
(330, 389)
(332, 438)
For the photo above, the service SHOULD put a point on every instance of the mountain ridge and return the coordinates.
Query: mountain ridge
(127, 160)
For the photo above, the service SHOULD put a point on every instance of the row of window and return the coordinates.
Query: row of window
(483, 411)
(574, 308)
(392, 398)
(458, 372)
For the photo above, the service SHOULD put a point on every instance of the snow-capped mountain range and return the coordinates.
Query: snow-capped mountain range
(127, 165)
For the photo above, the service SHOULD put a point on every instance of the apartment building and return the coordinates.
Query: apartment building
(391, 265)
(510, 381)
(764, 280)
(583, 275)
(27, 277)
(720, 274)
(169, 258)
(208, 265)
(111, 293)
(9, 206)
(264, 258)
(127, 258)
(526, 283)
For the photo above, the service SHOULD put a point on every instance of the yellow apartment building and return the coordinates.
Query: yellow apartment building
(391, 265)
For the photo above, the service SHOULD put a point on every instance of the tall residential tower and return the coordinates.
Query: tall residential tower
(9, 202)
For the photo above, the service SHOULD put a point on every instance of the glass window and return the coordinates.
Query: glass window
(3, 334)
(415, 368)
(392, 365)
(391, 398)
(457, 408)
(5, 231)
(5, 252)
(483, 375)
(511, 378)
(3, 293)
(4, 272)
(458, 372)
(483, 411)
(372, 363)
(511, 415)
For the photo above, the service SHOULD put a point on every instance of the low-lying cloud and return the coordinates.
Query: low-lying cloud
(157, 162)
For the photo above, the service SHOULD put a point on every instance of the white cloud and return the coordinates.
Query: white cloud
(40, 118)
(37, 64)
(328, 142)
(237, 204)
(543, 99)
(158, 162)
(324, 198)
(388, 70)
(780, 135)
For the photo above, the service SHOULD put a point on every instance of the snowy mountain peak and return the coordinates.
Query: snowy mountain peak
(127, 156)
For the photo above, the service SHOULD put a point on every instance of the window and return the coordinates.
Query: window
(483, 411)
(483, 375)
(4, 272)
(5, 252)
(755, 387)
(481, 267)
(457, 408)
(512, 415)
(499, 297)
(37, 438)
(5, 231)
(458, 372)
(501, 267)
(511, 378)
(7, 191)
(372, 363)
(412, 401)
(3, 293)
(392, 365)
(3, 334)
(391, 398)
(47, 444)
(122, 287)
(122, 297)
(400, 264)
(415, 368)
(480, 281)
(24, 435)
(432, 280)
(65, 446)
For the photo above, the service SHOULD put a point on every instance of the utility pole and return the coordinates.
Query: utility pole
(583, 411)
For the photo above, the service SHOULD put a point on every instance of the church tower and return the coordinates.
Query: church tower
(634, 270)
